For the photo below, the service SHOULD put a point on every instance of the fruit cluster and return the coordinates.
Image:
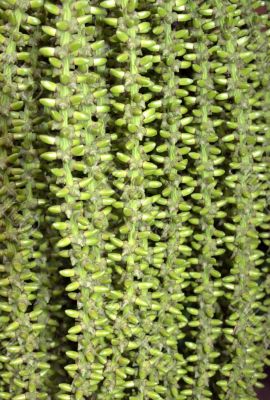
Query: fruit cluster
(134, 219)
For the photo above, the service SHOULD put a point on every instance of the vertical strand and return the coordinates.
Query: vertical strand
(133, 371)
(243, 326)
(80, 158)
(25, 343)
(207, 203)
(171, 27)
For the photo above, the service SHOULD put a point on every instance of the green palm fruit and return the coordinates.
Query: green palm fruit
(82, 197)
(136, 175)
(134, 218)
(206, 169)
(25, 289)
(243, 327)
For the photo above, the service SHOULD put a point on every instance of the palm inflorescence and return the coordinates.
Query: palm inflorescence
(134, 217)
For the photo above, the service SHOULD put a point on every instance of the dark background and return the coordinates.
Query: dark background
(264, 394)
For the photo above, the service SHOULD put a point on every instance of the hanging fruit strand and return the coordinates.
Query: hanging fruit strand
(78, 141)
(25, 293)
(243, 325)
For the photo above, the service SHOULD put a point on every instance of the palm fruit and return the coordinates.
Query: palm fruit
(78, 150)
(135, 199)
(175, 144)
(259, 26)
(25, 344)
(243, 328)
(139, 252)
(207, 203)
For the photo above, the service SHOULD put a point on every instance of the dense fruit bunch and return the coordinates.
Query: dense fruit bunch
(134, 218)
